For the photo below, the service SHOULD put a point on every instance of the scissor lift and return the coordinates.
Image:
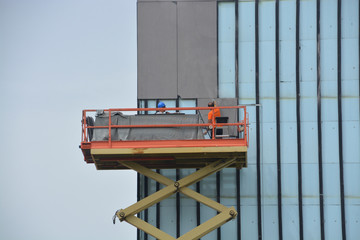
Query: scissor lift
(207, 155)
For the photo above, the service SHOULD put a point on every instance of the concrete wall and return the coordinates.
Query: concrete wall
(170, 61)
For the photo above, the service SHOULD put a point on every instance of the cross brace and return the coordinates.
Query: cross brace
(224, 215)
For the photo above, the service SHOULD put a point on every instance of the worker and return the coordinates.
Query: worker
(213, 113)
(162, 110)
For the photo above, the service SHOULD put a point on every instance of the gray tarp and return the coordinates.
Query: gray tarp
(173, 133)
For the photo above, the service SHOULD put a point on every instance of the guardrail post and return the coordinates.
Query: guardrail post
(109, 128)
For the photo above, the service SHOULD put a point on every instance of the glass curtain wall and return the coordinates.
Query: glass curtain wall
(299, 61)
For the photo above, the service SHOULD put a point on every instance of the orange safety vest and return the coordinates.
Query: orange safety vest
(215, 112)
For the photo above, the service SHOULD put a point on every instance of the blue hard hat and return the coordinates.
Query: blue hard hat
(161, 105)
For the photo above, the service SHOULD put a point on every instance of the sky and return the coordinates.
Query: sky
(58, 57)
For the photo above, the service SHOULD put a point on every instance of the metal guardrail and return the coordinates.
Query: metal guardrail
(213, 125)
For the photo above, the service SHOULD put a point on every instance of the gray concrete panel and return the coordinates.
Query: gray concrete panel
(157, 40)
(197, 49)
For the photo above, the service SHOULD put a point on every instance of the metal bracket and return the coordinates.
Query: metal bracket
(224, 215)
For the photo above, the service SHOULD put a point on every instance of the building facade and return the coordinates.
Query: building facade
(295, 63)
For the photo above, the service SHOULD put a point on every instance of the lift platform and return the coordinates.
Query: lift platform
(166, 141)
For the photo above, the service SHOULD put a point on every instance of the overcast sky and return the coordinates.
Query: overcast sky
(58, 57)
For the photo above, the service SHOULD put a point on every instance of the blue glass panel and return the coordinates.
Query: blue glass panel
(208, 188)
(246, 21)
(328, 19)
(269, 142)
(168, 208)
(310, 182)
(308, 54)
(151, 104)
(142, 105)
(350, 19)
(152, 209)
(351, 142)
(330, 142)
(187, 214)
(246, 64)
(267, 21)
(169, 103)
(249, 222)
(349, 60)
(152, 219)
(267, 61)
(229, 230)
(226, 49)
(287, 102)
(270, 221)
(352, 221)
(332, 214)
(328, 60)
(269, 184)
(311, 221)
(248, 185)
(228, 198)
(308, 108)
(268, 106)
(331, 183)
(247, 52)
(227, 90)
(227, 183)
(287, 23)
(288, 142)
(287, 63)
(307, 20)
(352, 183)
(252, 144)
(309, 146)
(188, 210)
(187, 103)
(329, 111)
(290, 222)
(289, 180)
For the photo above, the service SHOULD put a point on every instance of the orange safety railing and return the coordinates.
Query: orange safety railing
(241, 123)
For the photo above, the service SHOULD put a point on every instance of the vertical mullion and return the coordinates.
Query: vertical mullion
(237, 113)
(341, 160)
(198, 220)
(218, 193)
(138, 188)
(138, 199)
(146, 184)
(158, 204)
(217, 50)
(238, 204)
(298, 120)
(319, 126)
(258, 169)
(278, 142)
(237, 50)
(178, 220)
(146, 193)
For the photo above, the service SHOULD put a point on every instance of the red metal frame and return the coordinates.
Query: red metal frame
(86, 144)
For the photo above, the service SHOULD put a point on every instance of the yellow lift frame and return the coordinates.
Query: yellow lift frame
(224, 215)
